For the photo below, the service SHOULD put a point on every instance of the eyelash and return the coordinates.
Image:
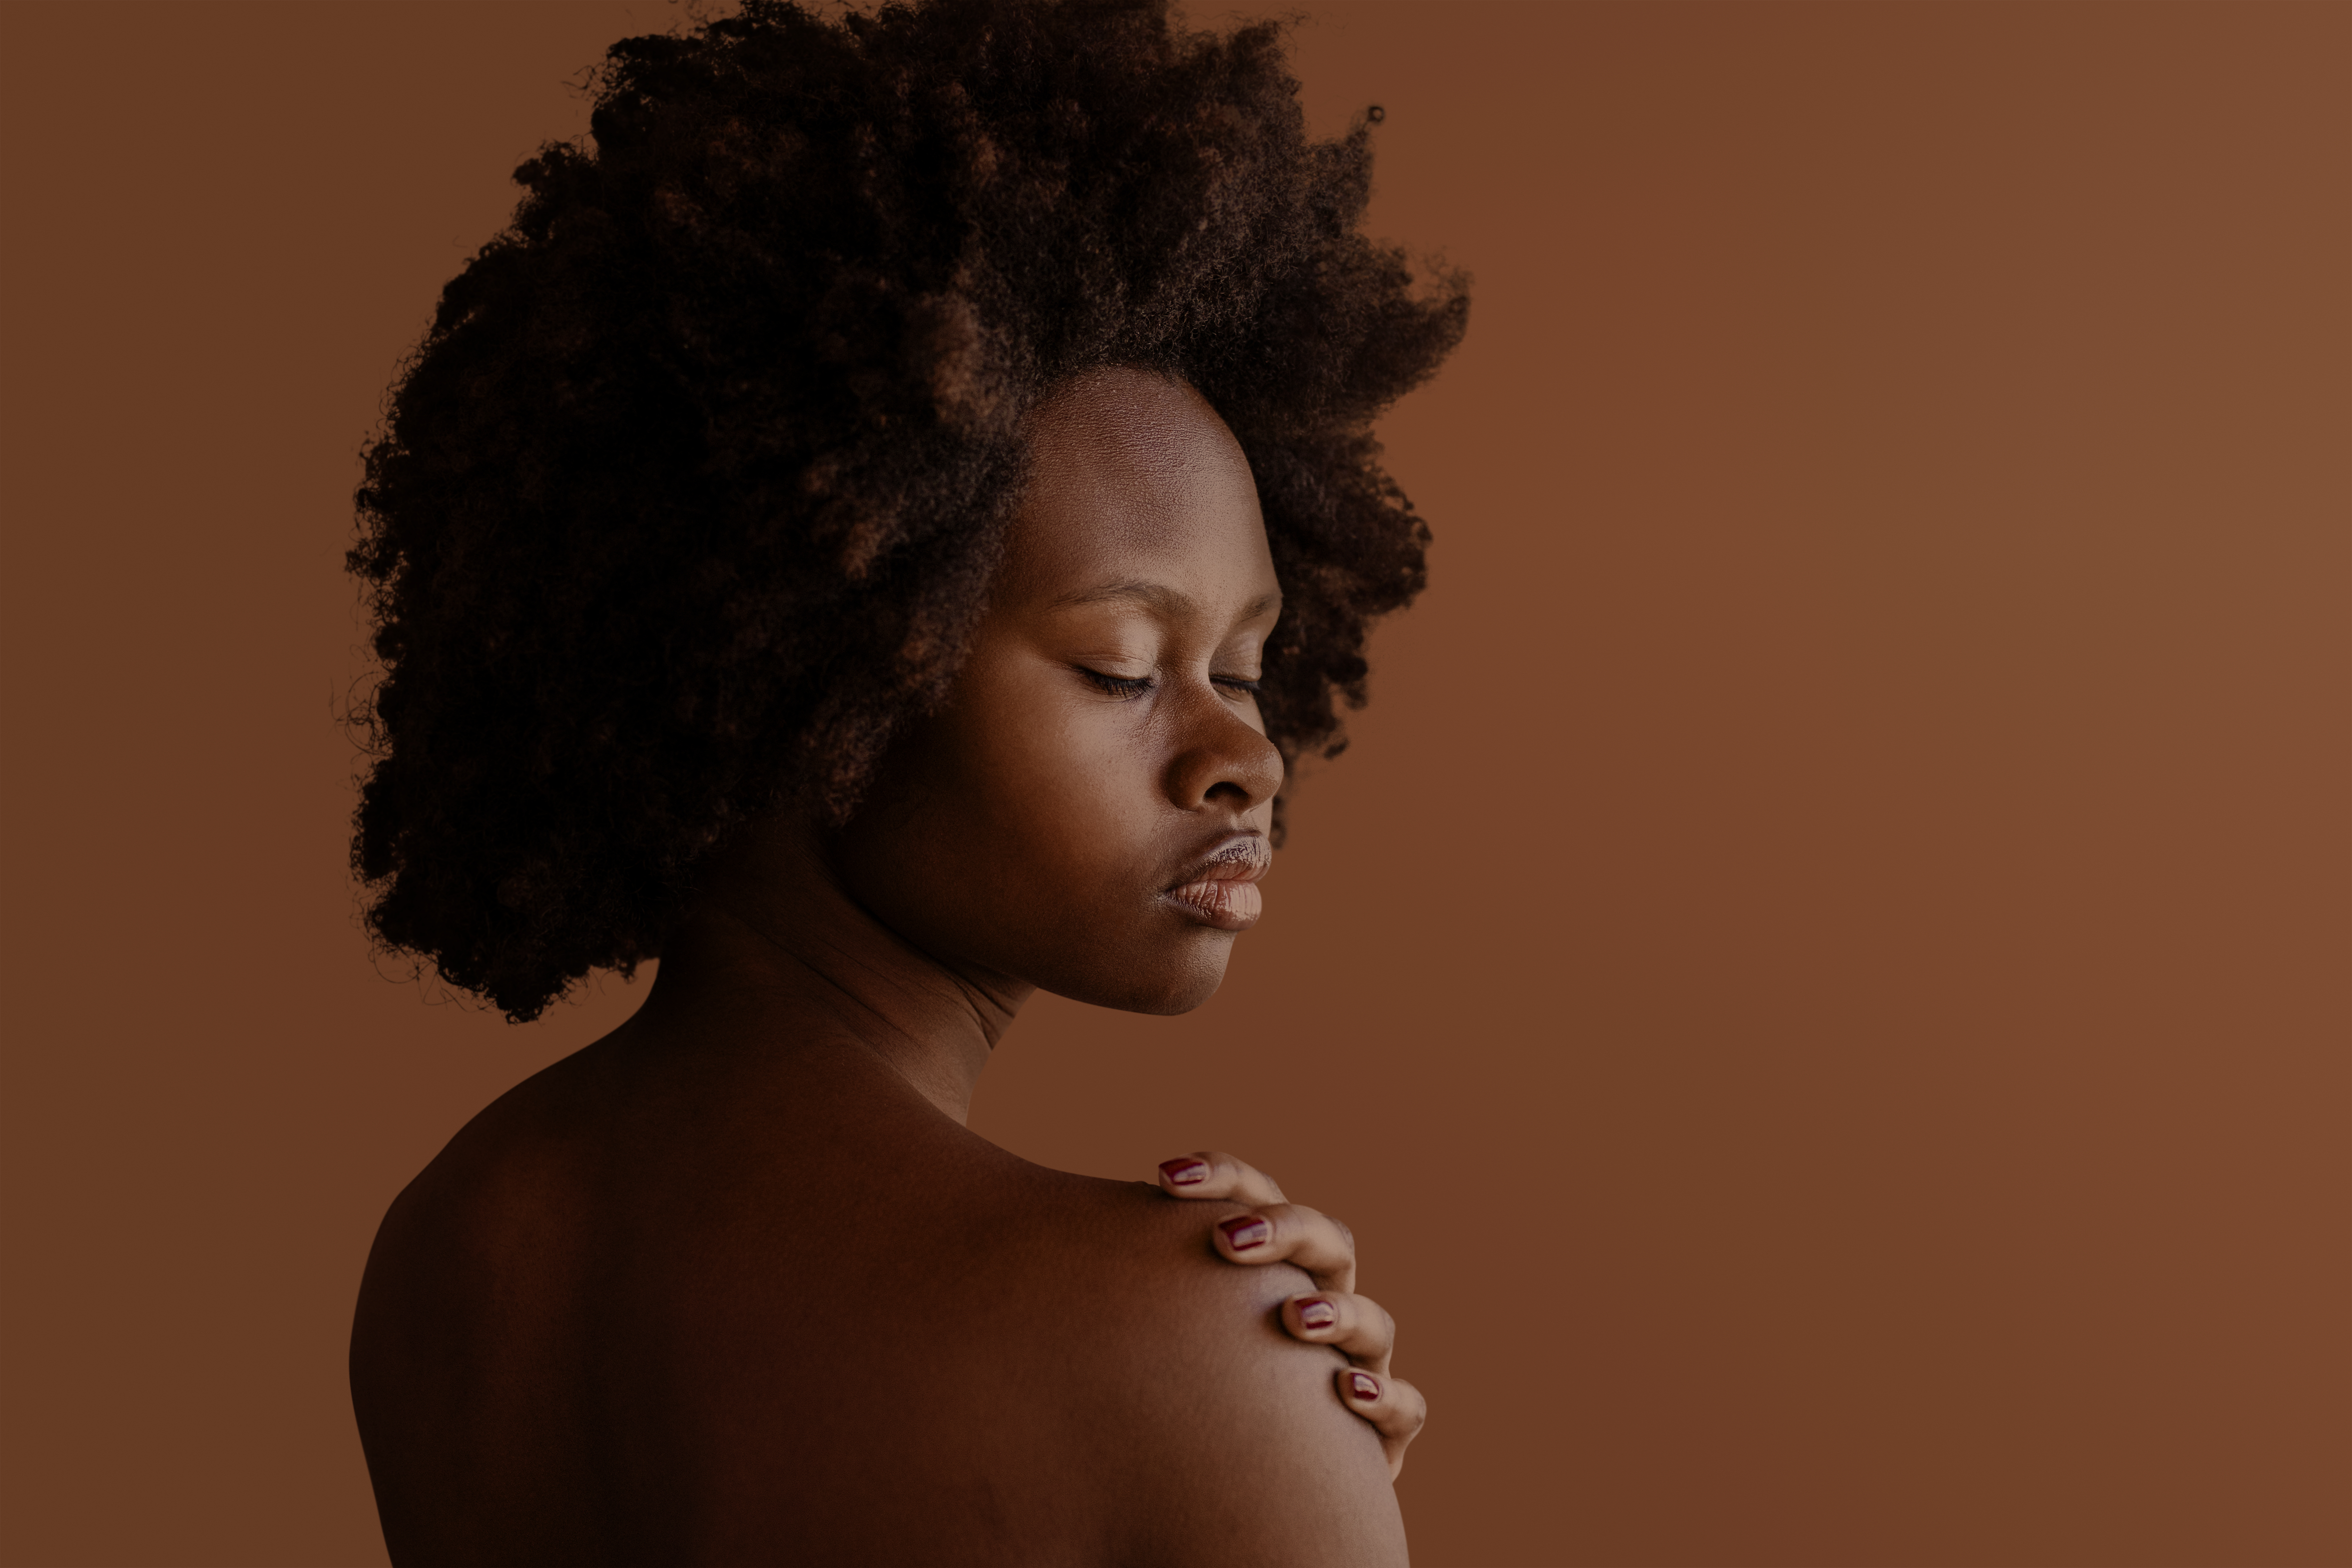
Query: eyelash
(1132, 687)
(1118, 686)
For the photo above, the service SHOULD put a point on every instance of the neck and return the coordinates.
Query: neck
(775, 951)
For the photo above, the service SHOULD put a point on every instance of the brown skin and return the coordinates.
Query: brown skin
(736, 1284)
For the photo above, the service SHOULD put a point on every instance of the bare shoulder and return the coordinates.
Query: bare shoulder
(1219, 1434)
(477, 1260)
(463, 1334)
(741, 1325)
(509, 1174)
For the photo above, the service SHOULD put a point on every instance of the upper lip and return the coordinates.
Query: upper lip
(1241, 857)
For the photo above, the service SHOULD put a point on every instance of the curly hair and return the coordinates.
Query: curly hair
(691, 493)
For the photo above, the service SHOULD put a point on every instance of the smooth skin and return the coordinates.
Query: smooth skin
(1356, 1326)
(736, 1283)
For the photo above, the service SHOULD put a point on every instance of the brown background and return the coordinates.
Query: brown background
(1822, 984)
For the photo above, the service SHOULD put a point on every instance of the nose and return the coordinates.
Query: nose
(1221, 759)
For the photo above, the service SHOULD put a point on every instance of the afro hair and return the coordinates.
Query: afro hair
(691, 493)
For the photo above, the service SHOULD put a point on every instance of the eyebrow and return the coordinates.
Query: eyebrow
(1158, 596)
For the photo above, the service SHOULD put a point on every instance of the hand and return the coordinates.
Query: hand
(1275, 1231)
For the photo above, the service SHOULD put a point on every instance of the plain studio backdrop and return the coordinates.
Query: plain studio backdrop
(1820, 983)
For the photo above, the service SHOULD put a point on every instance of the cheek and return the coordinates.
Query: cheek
(1018, 818)
(1076, 825)
(1026, 830)
(1062, 796)
(1034, 844)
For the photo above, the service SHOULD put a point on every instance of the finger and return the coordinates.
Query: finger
(1393, 1407)
(1358, 1327)
(1291, 1233)
(1211, 1174)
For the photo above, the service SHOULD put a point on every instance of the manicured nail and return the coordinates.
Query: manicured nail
(1244, 1231)
(1185, 1173)
(1316, 1313)
(1366, 1386)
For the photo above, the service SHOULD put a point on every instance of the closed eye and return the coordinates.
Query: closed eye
(1239, 683)
(1116, 686)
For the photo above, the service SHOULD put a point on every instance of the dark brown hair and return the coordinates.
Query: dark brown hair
(692, 491)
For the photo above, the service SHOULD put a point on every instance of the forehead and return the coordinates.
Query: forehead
(1130, 472)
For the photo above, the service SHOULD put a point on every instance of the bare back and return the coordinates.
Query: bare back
(687, 1308)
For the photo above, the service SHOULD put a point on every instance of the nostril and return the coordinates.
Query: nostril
(1233, 767)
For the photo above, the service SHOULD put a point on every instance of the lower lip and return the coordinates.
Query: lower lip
(1229, 905)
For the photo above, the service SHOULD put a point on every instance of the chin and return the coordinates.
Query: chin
(1163, 984)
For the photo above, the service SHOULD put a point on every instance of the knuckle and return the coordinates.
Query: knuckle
(1414, 1406)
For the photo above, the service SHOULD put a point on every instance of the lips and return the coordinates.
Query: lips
(1222, 891)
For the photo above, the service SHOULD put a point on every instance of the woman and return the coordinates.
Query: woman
(872, 535)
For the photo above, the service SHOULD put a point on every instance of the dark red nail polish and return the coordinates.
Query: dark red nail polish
(1316, 1313)
(1244, 1231)
(1185, 1173)
(1367, 1388)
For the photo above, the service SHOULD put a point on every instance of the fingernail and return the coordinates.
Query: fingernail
(1185, 1173)
(1244, 1231)
(1367, 1388)
(1318, 1314)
